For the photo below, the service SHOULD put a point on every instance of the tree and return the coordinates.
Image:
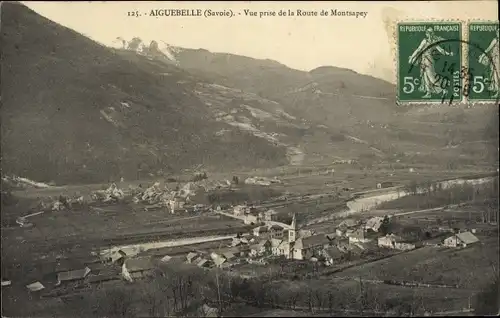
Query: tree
(487, 301)
(118, 303)
(385, 227)
(236, 180)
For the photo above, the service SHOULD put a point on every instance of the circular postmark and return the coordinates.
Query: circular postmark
(453, 80)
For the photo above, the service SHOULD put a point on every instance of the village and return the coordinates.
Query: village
(260, 228)
(271, 237)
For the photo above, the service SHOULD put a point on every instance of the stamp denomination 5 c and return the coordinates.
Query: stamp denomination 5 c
(429, 62)
(483, 61)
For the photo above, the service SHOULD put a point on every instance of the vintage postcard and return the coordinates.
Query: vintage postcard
(249, 159)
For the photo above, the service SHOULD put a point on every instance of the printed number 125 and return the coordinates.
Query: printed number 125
(133, 13)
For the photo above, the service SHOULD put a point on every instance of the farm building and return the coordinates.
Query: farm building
(176, 204)
(307, 247)
(137, 268)
(203, 262)
(331, 255)
(190, 257)
(275, 243)
(260, 231)
(229, 256)
(276, 231)
(394, 242)
(384, 185)
(270, 215)
(240, 210)
(72, 275)
(348, 224)
(462, 239)
(284, 249)
(374, 223)
(357, 235)
(250, 219)
(262, 248)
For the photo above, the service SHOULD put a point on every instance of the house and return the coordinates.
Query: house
(116, 256)
(305, 233)
(229, 256)
(348, 224)
(260, 231)
(383, 185)
(68, 276)
(307, 247)
(403, 246)
(36, 286)
(462, 239)
(176, 204)
(260, 249)
(242, 251)
(283, 249)
(331, 255)
(349, 249)
(236, 242)
(270, 215)
(275, 231)
(190, 257)
(374, 223)
(275, 243)
(340, 232)
(395, 242)
(203, 262)
(357, 235)
(388, 240)
(134, 268)
(250, 219)
(240, 210)
(219, 261)
(166, 258)
(207, 311)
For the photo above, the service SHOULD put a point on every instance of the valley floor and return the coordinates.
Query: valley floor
(33, 254)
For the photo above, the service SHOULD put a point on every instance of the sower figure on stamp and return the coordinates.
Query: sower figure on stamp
(428, 80)
(491, 59)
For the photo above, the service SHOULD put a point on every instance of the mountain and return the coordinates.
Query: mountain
(357, 113)
(327, 95)
(75, 111)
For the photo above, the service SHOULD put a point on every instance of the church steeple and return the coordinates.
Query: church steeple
(292, 230)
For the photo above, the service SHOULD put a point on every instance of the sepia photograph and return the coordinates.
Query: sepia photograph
(249, 159)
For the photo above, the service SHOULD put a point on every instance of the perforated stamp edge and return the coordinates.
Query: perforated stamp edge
(395, 45)
(465, 50)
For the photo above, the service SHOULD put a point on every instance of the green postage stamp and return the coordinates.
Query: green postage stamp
(429, 62)
(483, 61)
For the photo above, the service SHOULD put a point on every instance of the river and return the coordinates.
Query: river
(366, 203)
(356, 205)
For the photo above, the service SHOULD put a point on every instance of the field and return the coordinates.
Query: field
(31, 253)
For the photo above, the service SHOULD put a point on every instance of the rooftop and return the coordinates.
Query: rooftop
(73, 275)
(311, 241)
(191, 255)
(333, 252)
(467, 237)
(139, 264)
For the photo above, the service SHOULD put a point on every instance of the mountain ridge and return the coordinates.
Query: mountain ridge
(76, 111)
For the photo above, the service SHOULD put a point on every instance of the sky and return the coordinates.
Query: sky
(366, 45)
